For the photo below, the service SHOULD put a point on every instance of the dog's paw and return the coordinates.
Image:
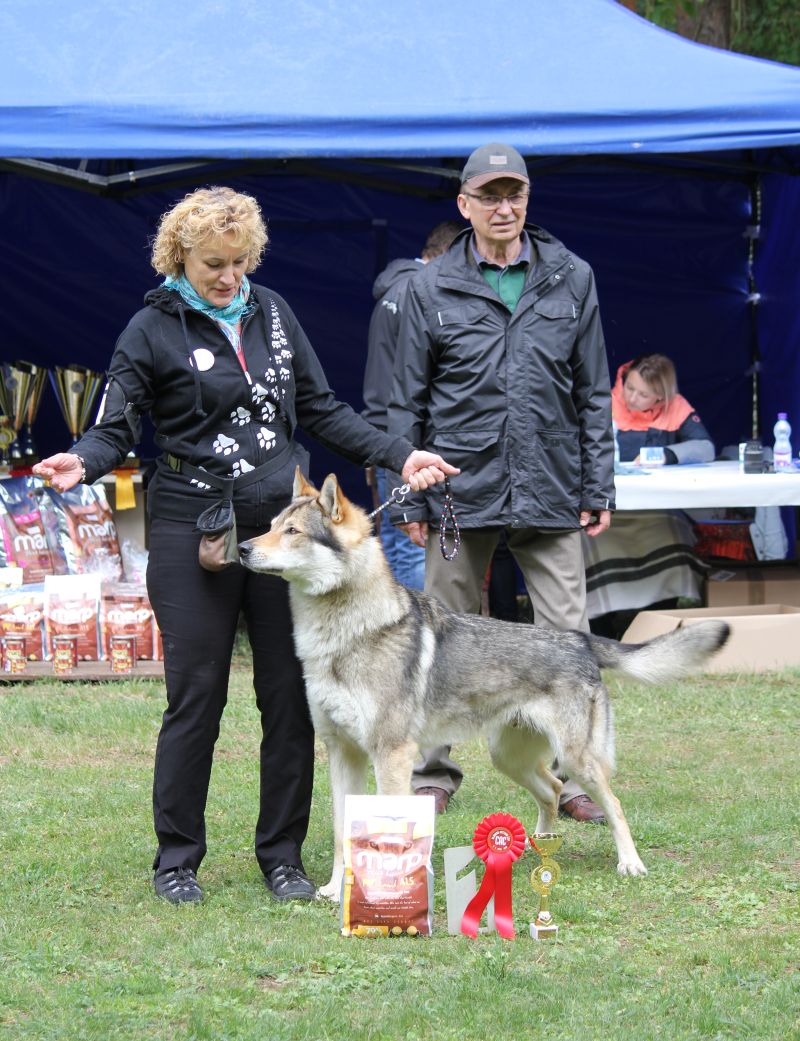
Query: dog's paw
(331, 891)
(631, 867)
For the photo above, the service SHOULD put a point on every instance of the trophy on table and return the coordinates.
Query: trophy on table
(543, 878)
(76, 389)
(39, 379)
(16, 388)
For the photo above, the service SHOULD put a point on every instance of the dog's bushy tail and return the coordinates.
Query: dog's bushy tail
(667, 657)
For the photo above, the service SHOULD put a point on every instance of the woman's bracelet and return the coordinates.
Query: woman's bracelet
(82, 461)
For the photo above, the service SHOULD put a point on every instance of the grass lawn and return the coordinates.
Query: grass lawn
(707, 946)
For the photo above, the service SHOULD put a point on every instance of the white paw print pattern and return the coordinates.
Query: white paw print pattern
(286, 355)
(269, 375)
(224, 445)
(266, 438)
(262, 403)
(285, 374)
(278, 335)
(241, 466)
(240, 417)
(200, 486)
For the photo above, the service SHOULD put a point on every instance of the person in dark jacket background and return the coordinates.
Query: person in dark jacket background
(406, 559)
(226, 374)
(501, 363)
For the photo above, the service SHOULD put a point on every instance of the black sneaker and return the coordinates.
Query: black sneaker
(288, 882)
(178, 886)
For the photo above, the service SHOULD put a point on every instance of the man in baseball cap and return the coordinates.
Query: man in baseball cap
(490, 162)
(501, 359)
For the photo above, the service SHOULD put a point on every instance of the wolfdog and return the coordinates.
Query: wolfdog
(390, 669)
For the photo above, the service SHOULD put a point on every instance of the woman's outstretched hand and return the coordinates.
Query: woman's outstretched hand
(63, 470)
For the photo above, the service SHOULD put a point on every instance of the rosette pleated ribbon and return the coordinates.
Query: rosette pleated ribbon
(499, 840)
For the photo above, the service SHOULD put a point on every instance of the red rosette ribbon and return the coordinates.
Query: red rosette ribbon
(499, 840)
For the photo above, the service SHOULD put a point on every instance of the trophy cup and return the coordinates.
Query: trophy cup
(16, 387)
(543, 878)
(76, 389)
(39, 378)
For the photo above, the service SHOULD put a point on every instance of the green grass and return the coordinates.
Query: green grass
(705, 947)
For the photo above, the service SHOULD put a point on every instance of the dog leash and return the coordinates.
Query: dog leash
(449, 514)
(448, 517)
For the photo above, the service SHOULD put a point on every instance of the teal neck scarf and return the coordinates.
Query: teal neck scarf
(228, 318)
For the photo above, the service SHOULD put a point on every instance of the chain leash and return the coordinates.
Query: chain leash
(448, 517)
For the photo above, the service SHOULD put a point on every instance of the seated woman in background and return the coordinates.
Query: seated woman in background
(648, 410)
(645, 560)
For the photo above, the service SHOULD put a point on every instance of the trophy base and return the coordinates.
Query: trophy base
(544, 932)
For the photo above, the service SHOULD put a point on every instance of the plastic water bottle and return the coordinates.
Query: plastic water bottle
(782, 452)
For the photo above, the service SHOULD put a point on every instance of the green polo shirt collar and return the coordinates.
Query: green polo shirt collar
(508, 282)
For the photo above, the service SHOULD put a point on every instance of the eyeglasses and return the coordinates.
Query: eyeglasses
(494, 202)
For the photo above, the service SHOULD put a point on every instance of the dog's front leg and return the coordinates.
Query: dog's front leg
(393, 768)
(347, 765)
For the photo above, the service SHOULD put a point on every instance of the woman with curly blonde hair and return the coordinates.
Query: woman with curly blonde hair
(227, 375)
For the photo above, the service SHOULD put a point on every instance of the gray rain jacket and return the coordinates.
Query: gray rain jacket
(388, 291)
(520, 402)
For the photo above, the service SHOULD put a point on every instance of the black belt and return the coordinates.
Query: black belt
(227, 484)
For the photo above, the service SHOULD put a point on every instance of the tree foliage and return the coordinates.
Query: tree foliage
(762, 28)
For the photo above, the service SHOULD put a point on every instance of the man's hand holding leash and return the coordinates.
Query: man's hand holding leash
(424, 469)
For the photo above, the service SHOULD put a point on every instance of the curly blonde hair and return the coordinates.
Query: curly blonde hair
(208, 213)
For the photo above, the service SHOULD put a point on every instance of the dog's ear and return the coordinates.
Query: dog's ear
(332, 499)
(302, 485)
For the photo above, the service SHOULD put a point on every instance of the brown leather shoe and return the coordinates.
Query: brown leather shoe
(582, 809)
(440, 796)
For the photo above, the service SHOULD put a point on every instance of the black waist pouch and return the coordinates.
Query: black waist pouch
(218, 542)
(217, 523)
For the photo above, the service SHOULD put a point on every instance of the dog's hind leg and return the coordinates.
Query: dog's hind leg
(588, 757)
(347, 765)
(524, 755)
(393, 768)
(594, 776)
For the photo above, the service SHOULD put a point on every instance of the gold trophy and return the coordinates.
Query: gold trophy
(16, 387)
(38, 378)
(76, 389)
(543, 878)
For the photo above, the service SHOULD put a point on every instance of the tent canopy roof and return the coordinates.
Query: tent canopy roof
(321, 78)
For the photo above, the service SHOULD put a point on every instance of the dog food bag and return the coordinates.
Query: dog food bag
(22, 617)
(23, 540)
(388, 878)
(71, 607)
(81, 530)
(125, 611)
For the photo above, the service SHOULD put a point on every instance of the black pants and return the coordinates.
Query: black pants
(198, 614)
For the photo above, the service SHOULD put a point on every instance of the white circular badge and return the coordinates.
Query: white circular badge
(203, 359)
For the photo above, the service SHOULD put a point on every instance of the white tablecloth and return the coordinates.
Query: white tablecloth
(705, 484)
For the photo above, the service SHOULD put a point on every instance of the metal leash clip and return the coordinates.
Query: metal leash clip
(398, 495)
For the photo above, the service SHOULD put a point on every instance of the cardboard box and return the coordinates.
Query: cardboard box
(753, 584)
(762, 637)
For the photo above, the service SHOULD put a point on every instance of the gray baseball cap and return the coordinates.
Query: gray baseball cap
(491, 162)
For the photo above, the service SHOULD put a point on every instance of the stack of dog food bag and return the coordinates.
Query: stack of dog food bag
(66, 587)
(387, 889)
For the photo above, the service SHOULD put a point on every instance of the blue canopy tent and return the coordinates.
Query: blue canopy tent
(671, 167)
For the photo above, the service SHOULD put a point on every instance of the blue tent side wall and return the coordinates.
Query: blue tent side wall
(669, 250)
